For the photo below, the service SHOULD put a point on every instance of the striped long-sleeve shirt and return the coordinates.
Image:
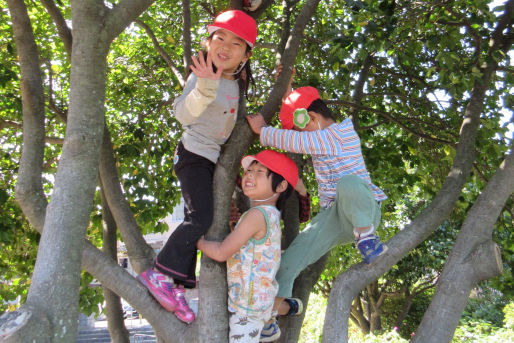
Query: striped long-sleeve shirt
(336, 151)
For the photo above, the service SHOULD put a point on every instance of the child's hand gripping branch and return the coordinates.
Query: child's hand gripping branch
(256, 122)
(252, 249)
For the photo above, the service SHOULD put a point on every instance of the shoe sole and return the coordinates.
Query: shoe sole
(157, 296)
(183, 319)
(376, 258)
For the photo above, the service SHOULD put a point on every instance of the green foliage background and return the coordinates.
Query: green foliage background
(422, 71)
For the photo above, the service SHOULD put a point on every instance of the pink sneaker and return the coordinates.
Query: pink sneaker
(183, 311)
(159, 286)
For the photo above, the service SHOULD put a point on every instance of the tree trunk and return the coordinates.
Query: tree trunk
(375, 323)
(405, 308)
(212, 316)
(357, 313)
(55, 285)
(52, 301)
(113, 307)
(474, 258)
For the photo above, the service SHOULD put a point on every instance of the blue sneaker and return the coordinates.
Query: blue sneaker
(270, 332)
(371, 248)
(295, 306)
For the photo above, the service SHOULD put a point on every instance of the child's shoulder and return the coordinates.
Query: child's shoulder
(263, 211)
(255, 213)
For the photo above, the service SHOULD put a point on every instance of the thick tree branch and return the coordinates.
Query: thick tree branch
(139, 252)
(29, 189)
(113, 307)
(124, 13)
(474, 257)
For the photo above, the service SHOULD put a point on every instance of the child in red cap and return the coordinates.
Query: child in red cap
(207, 110)
(252, 249)
(350, 201)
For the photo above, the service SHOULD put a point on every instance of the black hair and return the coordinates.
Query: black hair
(246, 81)
(276, 179)
(320, 107)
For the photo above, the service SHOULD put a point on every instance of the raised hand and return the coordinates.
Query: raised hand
(203, 67)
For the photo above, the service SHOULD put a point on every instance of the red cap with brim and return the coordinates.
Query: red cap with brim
(277, 162)
(299, 98)
(237, 22)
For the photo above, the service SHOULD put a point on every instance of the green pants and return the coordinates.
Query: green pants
(354, 206)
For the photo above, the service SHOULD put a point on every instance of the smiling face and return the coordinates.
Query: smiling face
(257, 182)
(227, 50)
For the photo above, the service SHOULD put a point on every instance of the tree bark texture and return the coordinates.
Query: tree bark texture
(29, 188)
(474, 258)
(55, 285)
(113, 307)
(291, 327)
(139, 252)
(53, 294)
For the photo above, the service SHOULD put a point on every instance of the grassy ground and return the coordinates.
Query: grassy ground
(314, 317)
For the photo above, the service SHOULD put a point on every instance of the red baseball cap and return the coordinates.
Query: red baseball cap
(277, 162)
(237, 22)
(300, 98)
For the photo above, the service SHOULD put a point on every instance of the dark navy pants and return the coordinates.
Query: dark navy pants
(178, 257)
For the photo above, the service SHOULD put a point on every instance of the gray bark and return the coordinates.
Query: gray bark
(60, 23)
(29, 188)
(474, 258)
(55, 285)
(186, 19)
(139, 252)
(53, 295)
(290, 327)
(113, 307)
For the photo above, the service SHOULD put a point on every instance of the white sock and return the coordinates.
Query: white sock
(362, 234)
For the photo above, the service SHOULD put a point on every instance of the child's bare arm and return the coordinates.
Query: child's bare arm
(252, 224)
